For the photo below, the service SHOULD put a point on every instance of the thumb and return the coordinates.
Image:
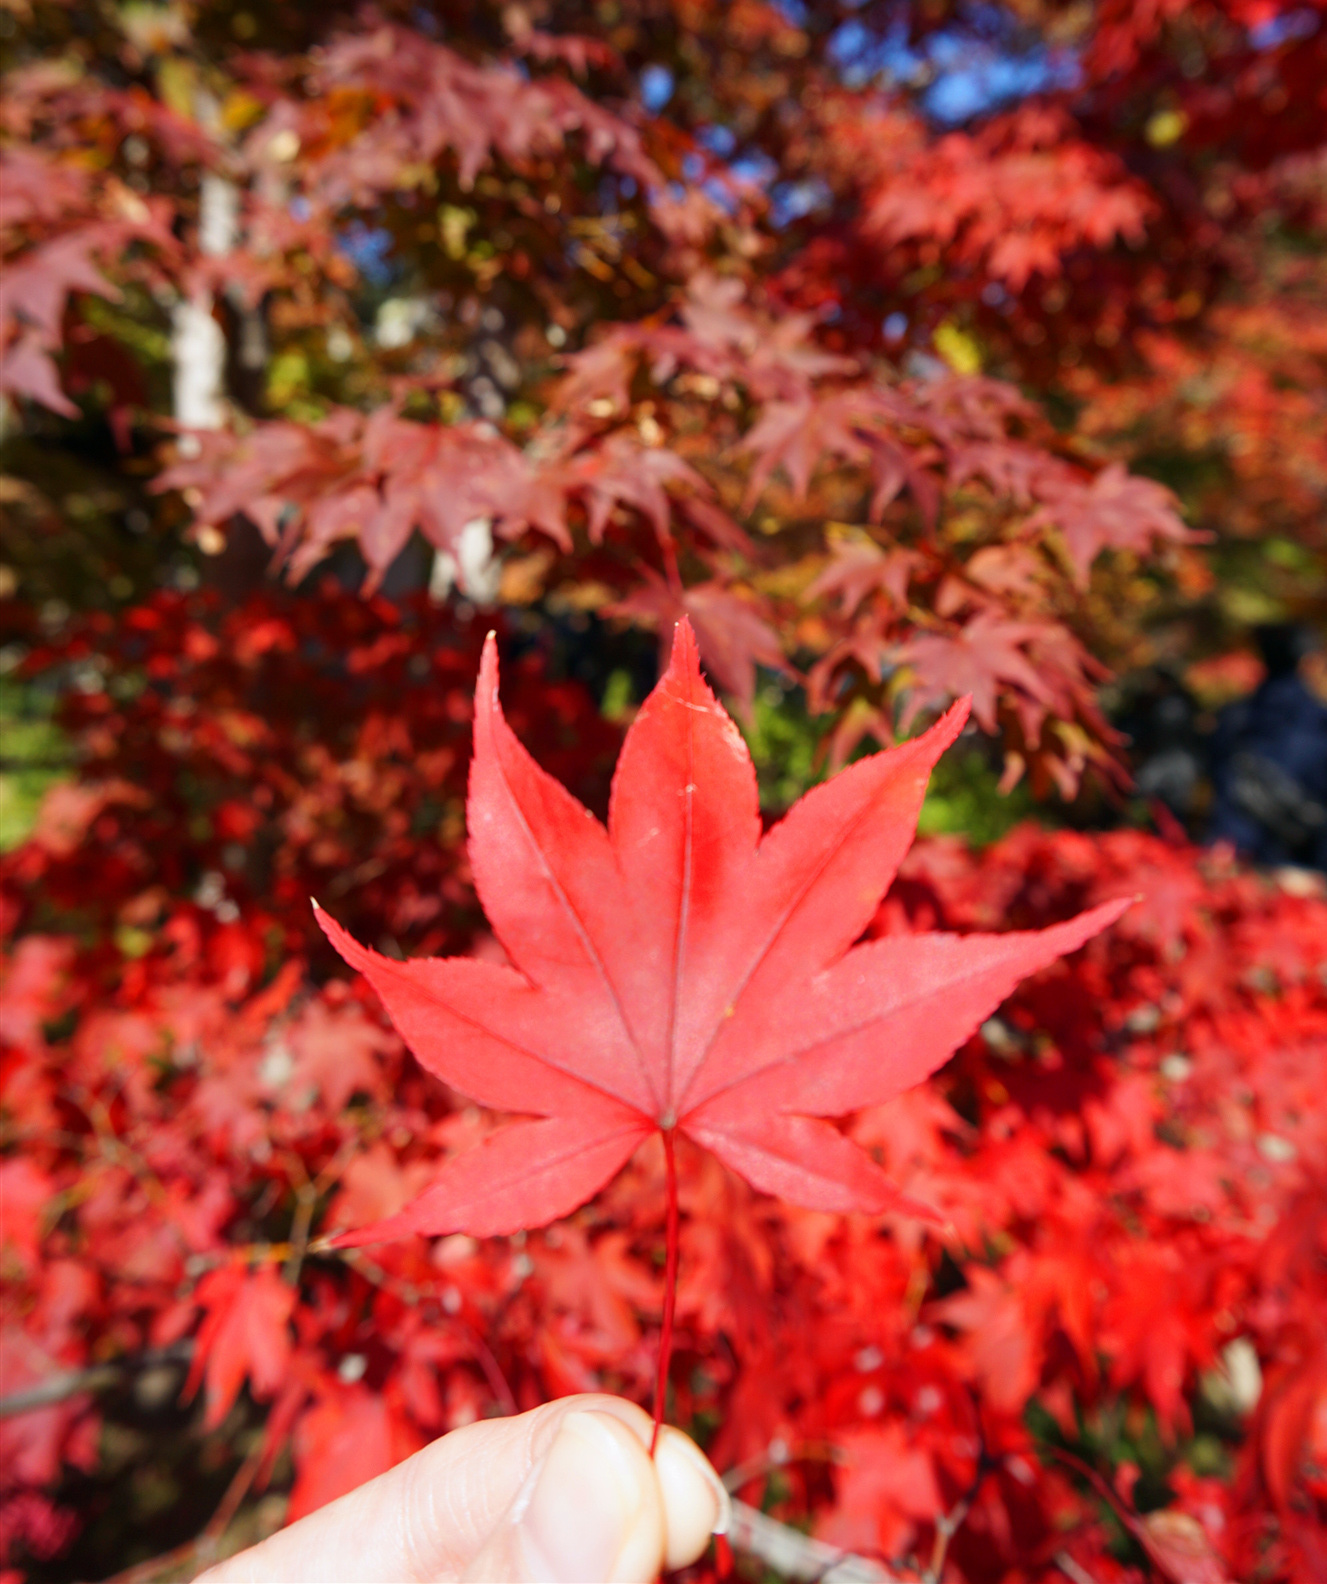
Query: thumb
(597, 1508)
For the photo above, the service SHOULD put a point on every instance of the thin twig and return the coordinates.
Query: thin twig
(236, 1491)
(154, 1567)
(948, 1525)
(116, 1150)
(1127, 1516)
(205, 1547)
(306, 1202)
(795, 1555)
(1072, 1569)
(766, 1462)
(97, 1377)
(367, 1267)
(409, 1294)
(946, 1528)
(308, 1191)
(487, 1361)
(59, 1388)
(331, 1174)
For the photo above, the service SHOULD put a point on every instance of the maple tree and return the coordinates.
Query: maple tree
(904, 353)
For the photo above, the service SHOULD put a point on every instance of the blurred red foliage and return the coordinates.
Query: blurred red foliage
(1132, 1155)
(735, 324)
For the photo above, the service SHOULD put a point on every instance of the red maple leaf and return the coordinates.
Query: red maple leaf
(678, 973)
(334, 1052)
(246, 1332)
(1115, 510)
(733, 636)
(887, 1486)
(975, 661)
(349, 1436)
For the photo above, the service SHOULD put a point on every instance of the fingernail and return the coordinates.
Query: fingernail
(583, 1505)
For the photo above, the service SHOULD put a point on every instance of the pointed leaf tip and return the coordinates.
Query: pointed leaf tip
(1121, 906)
(345, 944)
(685, 654)
(920, 1210)
(946, 730)
(486, 683)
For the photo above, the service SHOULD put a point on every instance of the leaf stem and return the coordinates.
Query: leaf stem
(670, 1290)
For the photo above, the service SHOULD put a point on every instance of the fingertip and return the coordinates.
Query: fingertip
(695, 1503)
(590, 1510)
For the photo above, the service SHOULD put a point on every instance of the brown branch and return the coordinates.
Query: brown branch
(236, 1491)
(946, 1528)
(766, 1462)
(98, 1377)
(154, 1568)
(948, 1525)
(306, 1202)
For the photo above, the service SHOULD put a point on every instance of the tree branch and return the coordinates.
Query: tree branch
(1071, 1569)
(795, 1555)
(98, 1377)
(950, 1523)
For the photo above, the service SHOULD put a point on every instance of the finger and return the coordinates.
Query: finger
(695, 1502)
(591, 1511)
(599, 1508)
(431, 1516)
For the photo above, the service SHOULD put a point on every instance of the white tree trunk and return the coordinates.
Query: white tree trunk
(471, 566)
(197, 341)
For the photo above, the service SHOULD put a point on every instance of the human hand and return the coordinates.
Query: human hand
(565, 1492)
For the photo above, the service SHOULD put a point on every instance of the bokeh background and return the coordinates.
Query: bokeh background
(911, 350)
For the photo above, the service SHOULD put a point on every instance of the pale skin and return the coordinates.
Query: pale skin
(567, 1491)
